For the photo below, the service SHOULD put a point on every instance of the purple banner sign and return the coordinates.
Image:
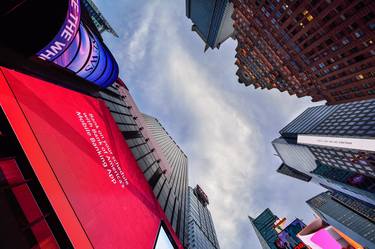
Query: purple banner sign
(66, 34)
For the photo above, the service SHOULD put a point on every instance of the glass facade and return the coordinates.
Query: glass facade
(347, 214)
(169, 189)
(350, 120)
(289, 171)
(264, 229)
(200, 228)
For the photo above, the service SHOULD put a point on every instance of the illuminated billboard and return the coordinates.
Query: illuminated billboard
(319, 235)
(287, 239)
(83, 164)
(76, 48)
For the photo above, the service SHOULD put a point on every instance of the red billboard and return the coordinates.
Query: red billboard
(83, 164)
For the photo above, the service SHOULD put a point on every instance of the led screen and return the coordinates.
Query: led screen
(79, 50)
(83, 164)
(325, 238)
(287, 239)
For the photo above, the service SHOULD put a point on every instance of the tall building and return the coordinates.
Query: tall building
(347, 215)
(264, 229)
(211, 19)
(322, 49)
(171, 188)
(161, 160)
(97, 17)
(273, 234)
(334, 146)
(200, 229)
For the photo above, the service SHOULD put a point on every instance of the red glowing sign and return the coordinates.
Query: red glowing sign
(83, 164)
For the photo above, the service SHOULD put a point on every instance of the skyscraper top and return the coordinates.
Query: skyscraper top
(202, 197)
(211, 20)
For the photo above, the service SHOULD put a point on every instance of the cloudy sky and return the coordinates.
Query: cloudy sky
(225, 128)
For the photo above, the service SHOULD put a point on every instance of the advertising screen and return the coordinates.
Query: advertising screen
(287, 239)
(83, 164)
(76, 48)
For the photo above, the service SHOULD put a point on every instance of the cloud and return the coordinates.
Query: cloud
(224, 127)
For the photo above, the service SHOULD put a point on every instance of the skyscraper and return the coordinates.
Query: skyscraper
(200, 229)
(161, 160)
(322, 49)
(264, 229)
(97, 17)
(273, 235)
(346, 214)
(211, 19)
(171, 189)
(334, 146)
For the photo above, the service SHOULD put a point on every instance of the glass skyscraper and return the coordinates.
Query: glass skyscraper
(200, 228)
(353, 218)
(162, 162)
(264, 229)
(171, 189)
(333, 146)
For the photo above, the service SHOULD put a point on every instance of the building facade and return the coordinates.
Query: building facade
(348, 215)
(200, 229)
(322, 143)
(264, 229)
(212, 20)
(161, 160)
(322, 49)
(97, 17)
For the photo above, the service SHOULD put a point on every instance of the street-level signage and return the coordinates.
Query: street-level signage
(338, 142)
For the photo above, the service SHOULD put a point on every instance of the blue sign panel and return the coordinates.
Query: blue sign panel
(78, 49)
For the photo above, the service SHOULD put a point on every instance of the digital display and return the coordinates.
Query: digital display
(287, 239)
(83, 164)
(76, 48)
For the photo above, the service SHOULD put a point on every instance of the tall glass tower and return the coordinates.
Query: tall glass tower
(200, 228)
(264, 229)
(161, 160)
(334, 146)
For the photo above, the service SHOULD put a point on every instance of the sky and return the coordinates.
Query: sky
(224, 128)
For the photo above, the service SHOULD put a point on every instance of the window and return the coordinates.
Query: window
(345, 41)
(358, 34)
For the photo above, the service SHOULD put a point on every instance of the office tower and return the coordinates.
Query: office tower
(264, 229)
(200, 229)
(212, 20)
(322, 49)
(97, 17)
(273, 235)
(333, 145)
(172, 187)
(161, 160)
(347, 215)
